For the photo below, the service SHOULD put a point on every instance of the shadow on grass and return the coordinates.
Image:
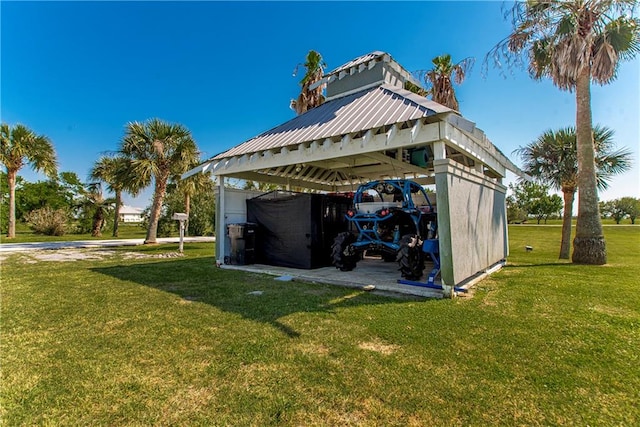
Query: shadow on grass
(253, 296)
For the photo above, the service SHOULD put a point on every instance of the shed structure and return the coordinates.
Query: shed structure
(371, 128)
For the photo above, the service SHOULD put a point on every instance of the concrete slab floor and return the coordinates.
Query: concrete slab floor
(371, 274)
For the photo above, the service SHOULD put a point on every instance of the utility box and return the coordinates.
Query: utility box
(243, 243)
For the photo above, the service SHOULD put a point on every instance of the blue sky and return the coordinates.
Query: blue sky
(79, 71)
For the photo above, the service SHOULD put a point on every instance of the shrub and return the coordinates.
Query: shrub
(47, 221)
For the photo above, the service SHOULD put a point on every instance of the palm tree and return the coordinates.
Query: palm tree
(157, 150)
(574, 42)
(115, 171)
(440, 79)
(553, 160)
(93, 201)
(310, 98)
(20, 146)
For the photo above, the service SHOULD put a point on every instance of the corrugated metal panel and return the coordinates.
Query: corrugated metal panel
(369, 109)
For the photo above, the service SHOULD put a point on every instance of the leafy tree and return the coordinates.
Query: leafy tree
(35, 195)
(71, 183)
(440, 79)
(534, 200)
(614, 209)
(19, 146)
(60, 193)
(515, 212)
(553, 159)
(157, 150)
(116, 172)
(574, 42)
(545, 206)
(260, 186)
(202, 218)
(632, 206)
(310, 98)
(188, 188)
(618, 209)
(201, 215)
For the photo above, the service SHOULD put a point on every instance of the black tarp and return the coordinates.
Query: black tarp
(296, 229)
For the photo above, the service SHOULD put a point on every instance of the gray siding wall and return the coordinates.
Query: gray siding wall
(472, 221)
(351, 82)
(381, 72)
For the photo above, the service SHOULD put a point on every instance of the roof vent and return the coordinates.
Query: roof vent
(370, 70)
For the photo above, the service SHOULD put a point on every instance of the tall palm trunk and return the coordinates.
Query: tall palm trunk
(187, 210)
(116, 215)
(156, 207)
(11, 178)
(98, 220)
(588, 245)
(568, 194)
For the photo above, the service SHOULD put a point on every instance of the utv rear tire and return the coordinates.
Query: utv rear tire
(343, 255)
(410, 259)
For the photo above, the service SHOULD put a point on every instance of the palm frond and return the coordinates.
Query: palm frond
(552, 158)
(562, 38)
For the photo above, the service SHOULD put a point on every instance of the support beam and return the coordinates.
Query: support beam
(282, 180)
(403, 139)
(398, 164)
(200, 168)
(466, 145)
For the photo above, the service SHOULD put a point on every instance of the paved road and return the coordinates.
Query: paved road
(33, 246)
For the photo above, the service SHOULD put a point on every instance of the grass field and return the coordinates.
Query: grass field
(134, 338)
(25, 235)
(135, 231)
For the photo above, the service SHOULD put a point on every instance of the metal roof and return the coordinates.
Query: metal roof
(369, 109)
(360, 136)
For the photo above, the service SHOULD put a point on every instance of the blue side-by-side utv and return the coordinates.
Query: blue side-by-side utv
(394, 218)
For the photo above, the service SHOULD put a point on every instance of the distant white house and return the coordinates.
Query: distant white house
(130, 214)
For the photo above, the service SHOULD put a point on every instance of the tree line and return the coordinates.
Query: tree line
(152, 152)
(531, 200)
(619, 209)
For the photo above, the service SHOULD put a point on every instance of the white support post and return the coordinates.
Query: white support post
(439, 150)
(221, 220)
(181, 246)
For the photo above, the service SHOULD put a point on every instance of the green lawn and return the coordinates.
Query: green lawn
(176, 341)
(25, 235)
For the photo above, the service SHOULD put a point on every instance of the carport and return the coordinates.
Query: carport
(371, 128)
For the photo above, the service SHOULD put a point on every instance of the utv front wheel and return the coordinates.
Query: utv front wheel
(343, 255)
(410, 257)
